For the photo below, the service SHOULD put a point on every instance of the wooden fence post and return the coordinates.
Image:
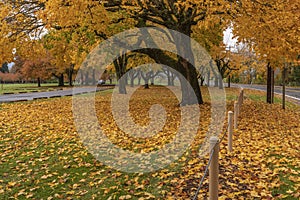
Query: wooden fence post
(214, 168)
(242, 97)
(230, 130)
(236, 113)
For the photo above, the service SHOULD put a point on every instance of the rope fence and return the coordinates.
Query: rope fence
(213, 162)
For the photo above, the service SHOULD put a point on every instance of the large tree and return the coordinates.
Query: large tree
(71, 29)
(19, 26)
(180, 16)
(95, 20)
(276, 36)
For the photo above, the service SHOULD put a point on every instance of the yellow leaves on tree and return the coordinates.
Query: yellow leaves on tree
(271, 28)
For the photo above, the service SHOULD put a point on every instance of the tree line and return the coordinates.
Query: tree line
(53, 38)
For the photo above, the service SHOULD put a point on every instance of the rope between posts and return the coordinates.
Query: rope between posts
(209, 161)
(225, 133)
(208, 164)
(203, 177)
(211, 154)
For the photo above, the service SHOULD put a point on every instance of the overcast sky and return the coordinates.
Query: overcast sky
(228, 38)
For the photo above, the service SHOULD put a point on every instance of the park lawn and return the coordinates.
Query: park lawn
(42, 156)
(27, 87)
(257, 95)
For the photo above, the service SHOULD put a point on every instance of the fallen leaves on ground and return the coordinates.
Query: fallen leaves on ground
(42, 155)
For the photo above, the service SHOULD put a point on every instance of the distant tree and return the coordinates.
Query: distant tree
(9, 77)
(171, 75)
(4, 68)
(38, 70)
(294, 77)
(133, 74)
(148, 75)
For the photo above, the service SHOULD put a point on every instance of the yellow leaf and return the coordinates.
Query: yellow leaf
(124, 197)
(289, 191)
(70, 192)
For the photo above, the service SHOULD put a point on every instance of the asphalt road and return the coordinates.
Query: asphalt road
(291, 92)
(44, 95)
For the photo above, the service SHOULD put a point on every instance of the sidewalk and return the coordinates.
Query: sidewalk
(51, 94)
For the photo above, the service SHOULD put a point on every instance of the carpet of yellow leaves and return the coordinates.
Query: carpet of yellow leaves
(265, 163)
(43, 157)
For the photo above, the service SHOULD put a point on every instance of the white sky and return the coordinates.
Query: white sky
(228, 38)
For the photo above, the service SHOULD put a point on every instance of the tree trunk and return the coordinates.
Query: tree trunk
(183, 46)
(229, 79)
(81, 77)
(70, 79)
(152, 80)
(126, 78)
(187, 96)
(216, 81)
(189, 72)
(86, 79)
(122, 85)
(273, 85)
(61, 81)
(283, 87)
(202, 81)
(187, 69)
(132, 81)
(195, 84)
(220, 82)
(139, 79)
(208, 78)
(94, 77)
(170, 76)
(146, 80)
(168, 73)
(70, 74)
(133, 75)
(269, 83)
(120, 66)
(39, 81)
(173, 76)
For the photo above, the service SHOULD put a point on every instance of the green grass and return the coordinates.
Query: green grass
(69, 173)
(287, 186)
(230, 97)
(285, 178)
(277, 100)
(27, 87)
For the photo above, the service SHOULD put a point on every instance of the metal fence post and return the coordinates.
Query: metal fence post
(214, 168)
